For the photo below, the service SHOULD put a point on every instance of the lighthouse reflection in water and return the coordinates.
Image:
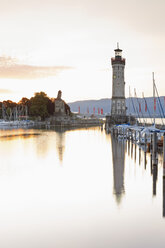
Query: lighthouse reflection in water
(118, 155)
(78, 188)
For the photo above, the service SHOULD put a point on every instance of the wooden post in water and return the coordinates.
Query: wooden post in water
(164, 175)
(154, 162)
(124, 133)
(128, 146)
(145, 149)
(164, 155)
(154, 149)
(145, 141)
(151, 144)
(163, 196)
(151, 162)
(151, 148)
(139, 137)
(132, 135)
(117, 132)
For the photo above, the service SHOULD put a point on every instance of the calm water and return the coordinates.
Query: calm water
(76, 189)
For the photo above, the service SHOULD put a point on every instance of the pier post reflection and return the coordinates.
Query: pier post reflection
(145, 160)
(155, 173)
(135, 151)
(128, 147)
(163, 195)
(139, 155)
(132, 150)
(151, 162)
(118, 155)
(164, 175)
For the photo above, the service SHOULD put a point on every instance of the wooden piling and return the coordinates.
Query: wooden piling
(154, 149)
(145, 141)
(164, 155)
(163, 196)
(164, 175)
(139, 136)
(135, 136)
(151, 144)
(151, 162)
(131, 135)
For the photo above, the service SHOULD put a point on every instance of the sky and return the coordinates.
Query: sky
(68, 44)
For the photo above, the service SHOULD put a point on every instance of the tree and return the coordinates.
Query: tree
(24, 101)
(39, 104)
(50, 106)
(9, 104)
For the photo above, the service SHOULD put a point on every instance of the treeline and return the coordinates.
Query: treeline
(38, 106)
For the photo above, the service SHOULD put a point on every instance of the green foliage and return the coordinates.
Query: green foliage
(24, 101)
(9, 104)
(38, 106)
(8, 111)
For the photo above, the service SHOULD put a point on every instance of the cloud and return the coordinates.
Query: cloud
(5, 91)
(11, 68)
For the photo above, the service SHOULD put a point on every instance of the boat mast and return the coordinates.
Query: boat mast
(153, 96)
(129, 103)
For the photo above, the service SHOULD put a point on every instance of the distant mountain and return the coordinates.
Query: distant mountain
(105, 104)
(133, 106)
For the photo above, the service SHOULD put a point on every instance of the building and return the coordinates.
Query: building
(61, 108)
(118, 85)
(118, 105)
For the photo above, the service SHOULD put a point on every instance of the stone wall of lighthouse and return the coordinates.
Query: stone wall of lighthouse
(118, 85)
(118, 103)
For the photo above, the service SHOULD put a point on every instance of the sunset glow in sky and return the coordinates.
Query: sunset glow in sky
(68, 45)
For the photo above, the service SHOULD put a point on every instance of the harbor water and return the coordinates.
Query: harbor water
(78, 188)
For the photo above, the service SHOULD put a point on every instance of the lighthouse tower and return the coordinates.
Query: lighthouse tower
(118, 107)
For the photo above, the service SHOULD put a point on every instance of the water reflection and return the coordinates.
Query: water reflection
(145, 160)
(17, 134)
(53, 205)
(139, 155)
(151, 162)
(118, 154)
(163, 196)
(155, 174)
(60, 144)
(132, 150)
(128, 147)
(135, 153)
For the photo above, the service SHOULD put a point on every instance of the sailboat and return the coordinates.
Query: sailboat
(148, 131)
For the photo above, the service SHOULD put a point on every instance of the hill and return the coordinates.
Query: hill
(131, 103)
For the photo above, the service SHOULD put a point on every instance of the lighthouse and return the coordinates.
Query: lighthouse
(118, 103)
(118, 107)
